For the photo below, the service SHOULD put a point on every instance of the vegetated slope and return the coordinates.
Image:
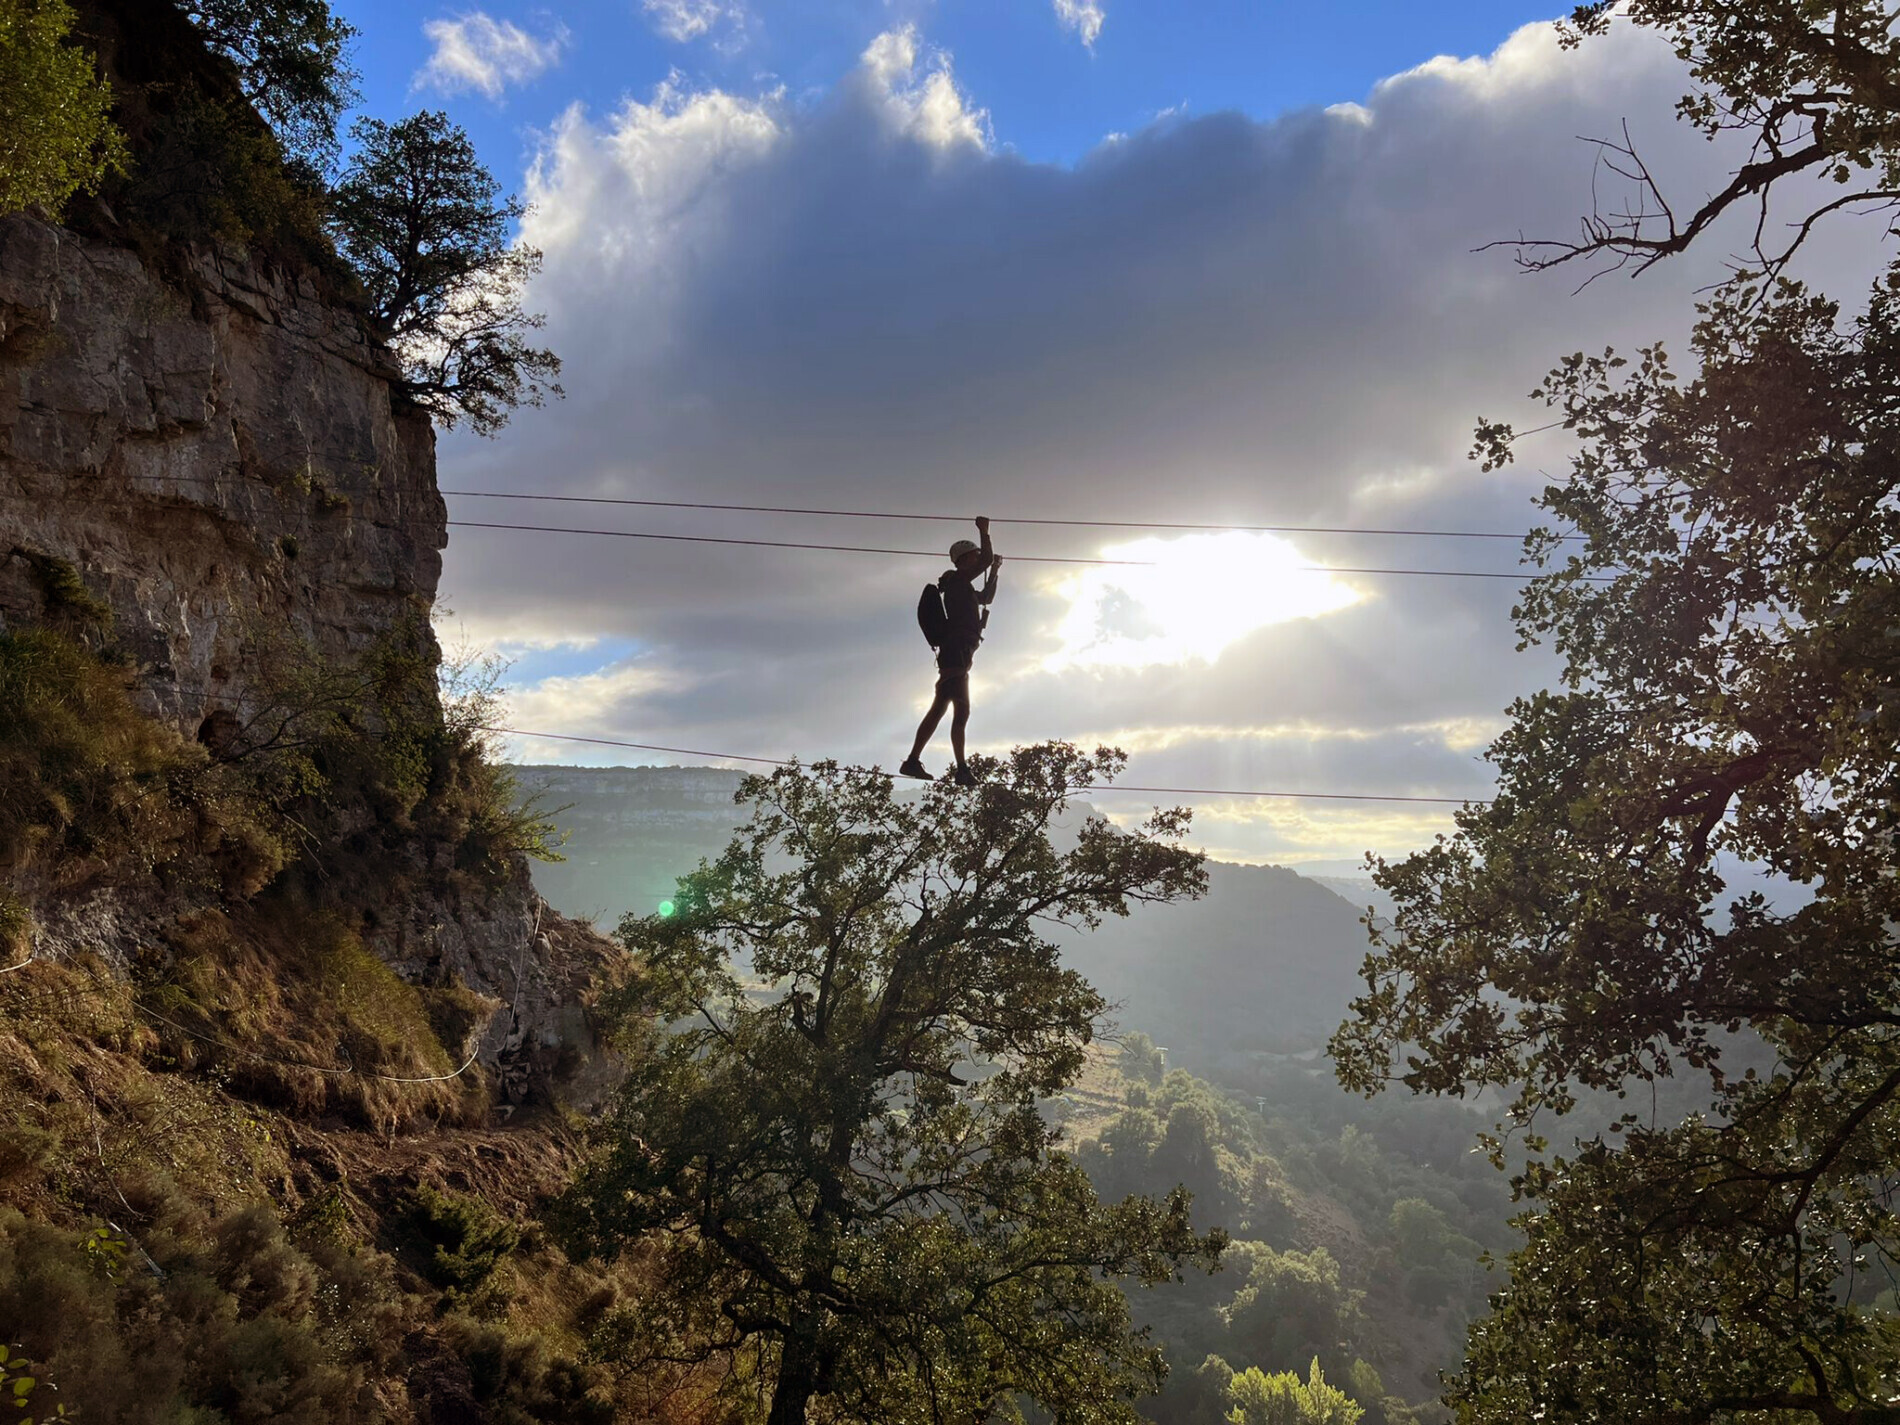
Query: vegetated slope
(1244, 987)
(1346, 1246)
(1265, 963)
(286, 1038)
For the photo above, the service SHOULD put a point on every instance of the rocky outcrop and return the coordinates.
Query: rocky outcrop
(220, 461)
(224, 459)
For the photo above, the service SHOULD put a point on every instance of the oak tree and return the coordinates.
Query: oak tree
(1730, 629)
(832, 1150)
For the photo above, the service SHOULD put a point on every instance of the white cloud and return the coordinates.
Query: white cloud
(584, 705)
(857, 301)
(1083, 16)
(686, 20)
(1198, 594)
(481, 53)
(918, 94)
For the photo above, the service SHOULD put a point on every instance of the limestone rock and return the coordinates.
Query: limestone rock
(222, 460)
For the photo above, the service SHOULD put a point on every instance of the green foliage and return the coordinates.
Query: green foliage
(56, 136)
(1184, 1134)
(240, 1327)
(1294, 1305)
(104, 1251)
(846, 1182)
(292, 59)
(461, 1240)
(1436, 1263)
(426, 227)
(87, 779)
(66, 603)
(17, 1387)
(1282, 1398)
(209, 170)
(319, 738)
(1140, 1059)
(1365, 1386)
(1729, 692)
(519, 1381)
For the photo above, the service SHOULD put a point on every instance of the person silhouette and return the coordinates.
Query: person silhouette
(967, 613)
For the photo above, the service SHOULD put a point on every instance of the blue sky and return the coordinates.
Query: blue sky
(1050, 98)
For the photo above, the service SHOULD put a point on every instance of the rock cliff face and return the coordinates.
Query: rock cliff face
(223, 459)
(216, 462)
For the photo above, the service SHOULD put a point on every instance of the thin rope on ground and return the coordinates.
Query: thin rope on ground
(1092, 787)
(344, 1072)
(231, 1048)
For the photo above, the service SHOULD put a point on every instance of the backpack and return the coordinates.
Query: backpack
(931, 617)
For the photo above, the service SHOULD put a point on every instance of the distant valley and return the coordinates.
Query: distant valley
(1262, 967)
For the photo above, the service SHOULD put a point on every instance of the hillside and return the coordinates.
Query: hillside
(286, 1036)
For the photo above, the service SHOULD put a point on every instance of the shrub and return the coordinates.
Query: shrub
(521, 1381)
(90, 784)
(459, 1240)
(68, 603)
(231, 1332)
(82, 771)
(16, 928)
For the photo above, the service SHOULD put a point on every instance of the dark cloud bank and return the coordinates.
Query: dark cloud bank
(866, 303)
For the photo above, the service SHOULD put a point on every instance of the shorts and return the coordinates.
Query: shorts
(953, 672)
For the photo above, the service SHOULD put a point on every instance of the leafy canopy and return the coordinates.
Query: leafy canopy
(293, 62)
(1731, 695)
(836, 1146)
(1282, 1398)
(56, 134)
(425, 226)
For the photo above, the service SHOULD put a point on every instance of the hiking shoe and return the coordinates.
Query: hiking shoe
(911, 767)
(965, 777)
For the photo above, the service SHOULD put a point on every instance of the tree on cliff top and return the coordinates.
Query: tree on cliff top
(292, 61)
(835, 1154)
(56, 136)
(425, 226)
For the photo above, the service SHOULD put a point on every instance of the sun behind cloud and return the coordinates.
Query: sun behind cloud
(1198, 594)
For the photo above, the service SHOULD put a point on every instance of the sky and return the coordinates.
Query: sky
(1055, 259)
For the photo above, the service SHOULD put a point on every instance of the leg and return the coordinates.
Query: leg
(959, 721)
(928, 727)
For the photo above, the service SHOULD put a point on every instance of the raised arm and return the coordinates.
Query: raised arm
(990, 558)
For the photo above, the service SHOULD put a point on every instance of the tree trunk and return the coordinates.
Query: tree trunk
(797, 1382)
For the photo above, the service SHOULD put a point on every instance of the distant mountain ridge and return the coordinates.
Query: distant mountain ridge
(1264, 964)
